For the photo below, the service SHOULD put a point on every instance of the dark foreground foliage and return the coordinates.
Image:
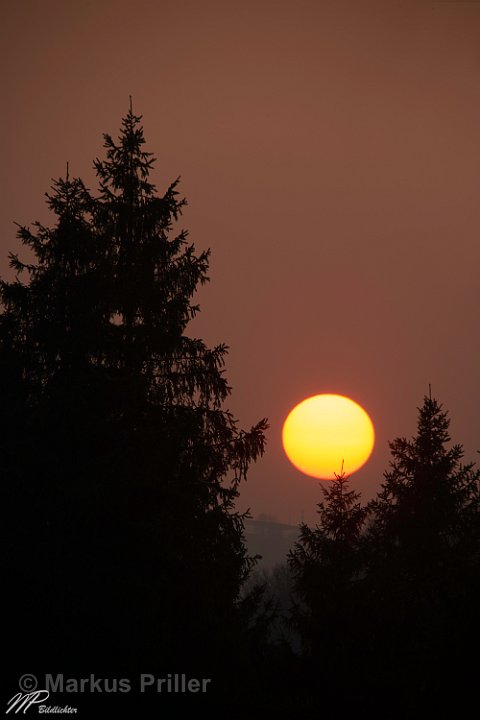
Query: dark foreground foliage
(387, 596)
(120, 463)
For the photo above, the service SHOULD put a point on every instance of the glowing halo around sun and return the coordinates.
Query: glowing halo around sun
(325, 430)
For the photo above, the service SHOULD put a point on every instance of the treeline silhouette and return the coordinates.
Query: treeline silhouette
(121, 467)
(386, 595)
(120, 464)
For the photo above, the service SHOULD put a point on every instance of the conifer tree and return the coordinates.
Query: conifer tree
(325, 561)
(126, 461)
(426, 510)
(326, 564)
(423, 575)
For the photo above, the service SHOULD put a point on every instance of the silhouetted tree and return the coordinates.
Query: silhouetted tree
(326, 564)
(121, 458)
(424, 565)
(428, 499)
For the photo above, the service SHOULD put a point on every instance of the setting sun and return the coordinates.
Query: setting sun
(325, 430)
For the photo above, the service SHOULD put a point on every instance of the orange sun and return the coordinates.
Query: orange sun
(325, 430)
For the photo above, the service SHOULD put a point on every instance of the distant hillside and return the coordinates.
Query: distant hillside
(272, 540)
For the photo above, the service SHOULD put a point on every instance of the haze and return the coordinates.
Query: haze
(330, 155)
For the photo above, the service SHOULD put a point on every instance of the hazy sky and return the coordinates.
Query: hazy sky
(330, 155)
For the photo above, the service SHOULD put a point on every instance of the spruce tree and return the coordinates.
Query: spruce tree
(326, 564)
(429, 501)
(124, 459)
(326, 556)
(423, 549)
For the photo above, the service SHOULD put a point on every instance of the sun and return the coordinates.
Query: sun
(325, 430)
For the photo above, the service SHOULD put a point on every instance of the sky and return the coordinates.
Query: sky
(330, 156)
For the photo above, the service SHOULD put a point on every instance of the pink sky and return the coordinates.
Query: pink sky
(330, 154)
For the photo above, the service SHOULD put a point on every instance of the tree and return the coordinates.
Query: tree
(125, 462)
(429, 499)
(424, 564)
(326, 564)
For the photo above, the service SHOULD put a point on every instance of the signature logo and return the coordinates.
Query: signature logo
(23, 701)
(30, 695)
